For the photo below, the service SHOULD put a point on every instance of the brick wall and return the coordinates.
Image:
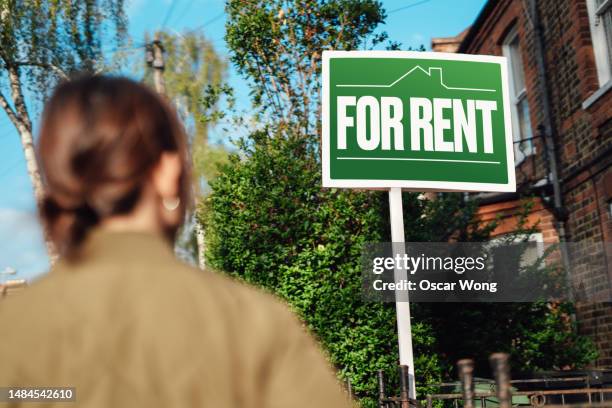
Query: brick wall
(448, 44)
(506, 214)
(583, 135)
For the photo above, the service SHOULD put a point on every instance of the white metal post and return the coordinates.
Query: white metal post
(402, 307)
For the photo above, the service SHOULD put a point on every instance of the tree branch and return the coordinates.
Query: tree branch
(21, 109)
(4, 104)
(60, 72)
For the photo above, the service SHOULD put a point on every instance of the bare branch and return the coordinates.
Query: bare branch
(60, 72)
(21, 109)
(4, 104)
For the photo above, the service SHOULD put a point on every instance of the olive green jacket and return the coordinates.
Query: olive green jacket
(128, 325)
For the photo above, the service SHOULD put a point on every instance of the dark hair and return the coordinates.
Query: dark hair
(100, 138)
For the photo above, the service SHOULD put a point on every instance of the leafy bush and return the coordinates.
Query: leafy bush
(270, 223)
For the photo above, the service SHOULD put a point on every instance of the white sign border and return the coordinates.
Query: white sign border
(418, 185)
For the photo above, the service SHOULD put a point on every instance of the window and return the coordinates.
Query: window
(600, 18)
(533, 251)
(521, 122)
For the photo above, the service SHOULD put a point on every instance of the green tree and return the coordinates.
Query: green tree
(278, 45)
(193, 75)
(538, 335)
(192, 68)
(42, 42)
(269, 223)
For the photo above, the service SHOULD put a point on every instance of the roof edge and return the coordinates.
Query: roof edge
(482, 15)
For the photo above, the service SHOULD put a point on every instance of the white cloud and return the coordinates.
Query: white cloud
(21, 243)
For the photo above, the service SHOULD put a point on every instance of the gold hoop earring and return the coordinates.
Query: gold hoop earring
(171, 203)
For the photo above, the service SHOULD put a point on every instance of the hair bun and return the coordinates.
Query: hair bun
(69, 225)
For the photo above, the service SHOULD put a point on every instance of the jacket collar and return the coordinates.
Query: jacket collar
(121, 245)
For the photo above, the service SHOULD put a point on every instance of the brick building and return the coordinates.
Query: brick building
(559, 54)
(448, 44)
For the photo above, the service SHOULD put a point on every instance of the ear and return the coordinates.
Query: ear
(166, 175)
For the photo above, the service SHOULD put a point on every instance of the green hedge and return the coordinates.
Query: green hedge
(269, 222)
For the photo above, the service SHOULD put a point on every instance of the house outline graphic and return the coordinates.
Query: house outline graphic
(427, 72)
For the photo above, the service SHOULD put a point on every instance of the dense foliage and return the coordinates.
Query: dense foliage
(270, 223)
(538, 336)
(278, 45)
(46, 40)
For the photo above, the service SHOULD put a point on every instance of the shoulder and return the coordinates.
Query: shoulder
(238, 299)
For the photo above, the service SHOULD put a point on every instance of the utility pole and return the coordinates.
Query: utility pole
(155, 60)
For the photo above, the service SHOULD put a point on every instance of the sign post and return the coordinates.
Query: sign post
(418, 121)
(402, 307)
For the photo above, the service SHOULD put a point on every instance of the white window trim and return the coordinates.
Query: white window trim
(514, 99)
(600, 46)
(537, 238)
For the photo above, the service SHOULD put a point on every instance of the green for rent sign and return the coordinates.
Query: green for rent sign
(417, 120)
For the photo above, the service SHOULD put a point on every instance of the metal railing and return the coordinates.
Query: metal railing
(404, 400)
(502, 392)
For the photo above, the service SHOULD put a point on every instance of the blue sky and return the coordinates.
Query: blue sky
(411, 22)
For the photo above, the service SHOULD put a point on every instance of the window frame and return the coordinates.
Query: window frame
(516, 98)
(535, 237)
(600, 41)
